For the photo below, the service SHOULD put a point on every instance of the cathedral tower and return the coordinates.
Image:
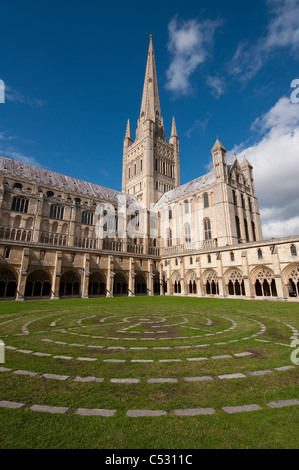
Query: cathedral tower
(151, 164)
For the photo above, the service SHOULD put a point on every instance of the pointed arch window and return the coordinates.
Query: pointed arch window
(246, 230)
(238, 228)
(234, 198)
(169, 213)
(260, 254)
(253, 231)
(186, 206)
(206, 202)
(187, 234)
(207, 229)
(293, 250)
(20, 204)
(169, 238)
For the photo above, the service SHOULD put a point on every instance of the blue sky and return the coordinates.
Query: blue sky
(74, 74)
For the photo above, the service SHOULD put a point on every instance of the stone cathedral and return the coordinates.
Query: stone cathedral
(61, 237)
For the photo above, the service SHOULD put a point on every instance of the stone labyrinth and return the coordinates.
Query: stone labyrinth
(139, 364)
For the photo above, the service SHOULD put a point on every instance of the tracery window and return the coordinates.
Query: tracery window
(20, 204)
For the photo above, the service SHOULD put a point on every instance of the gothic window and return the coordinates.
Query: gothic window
(293, 250)
(169, 213)
(8, 284)
(77, 201)
(238, 179)
(242, 201)
(38, 284)
(186, 206)
(140, 165)
(56, 212)
(50, 194)
(236, 284)
(234, 198)
(20, 204)
(246, 230)
(18, 186)
(238, 228)
(207, 229)
(232, 256)
(191, 260)
(265, 285)
(135, 169)
(209, 259)
(206, 202)
(250, 204)
(176, 262)
(187, 234)
(129, 173)
(156, 162)
(169, 238)
(87, 218)
(7, 253)
(260, 254)
(253, 232)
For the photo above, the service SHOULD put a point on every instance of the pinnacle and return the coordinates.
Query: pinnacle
(218, 146)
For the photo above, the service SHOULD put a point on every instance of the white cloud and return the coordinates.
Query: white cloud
(9, 150)
(276, 168)
(15, 96)
(217, 85)
(189, 44)
(282, 32)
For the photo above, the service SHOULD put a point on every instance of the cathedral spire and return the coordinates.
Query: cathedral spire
(173, 129)
(150, 105)
(128, 131)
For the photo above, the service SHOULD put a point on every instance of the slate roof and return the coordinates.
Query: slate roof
(188, 188)
(67, 183)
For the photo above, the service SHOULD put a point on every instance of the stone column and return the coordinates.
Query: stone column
(56, 276)
(85, 276)
(23, 275)
(131, 278)
(110, 276)
(162, 292)
(150, 278)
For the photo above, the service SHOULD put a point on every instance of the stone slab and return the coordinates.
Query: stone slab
(49, 409)
(11, 404)
(283, 403)
(125, 381)
(55, 377)
(95, 412)
(170, 360)
(86, 359)
(142, 361)
(196, 359)
(145, 413)
(67, 358)
(88, 379)
(4, 369)
(162, 381)
(26, 372)
(198, 379)
(244, 354)
(241, 409)
(231, 376)
(282, 369)
(41, 354)
(116, 361)
(195, 412)
(224, 356)
(24, 351)
(261, 372)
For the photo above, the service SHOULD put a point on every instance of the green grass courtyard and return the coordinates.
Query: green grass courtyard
(149, 373)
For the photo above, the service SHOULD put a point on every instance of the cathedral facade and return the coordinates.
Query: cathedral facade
(61, 237)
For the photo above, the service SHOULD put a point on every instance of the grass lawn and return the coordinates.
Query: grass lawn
(160, 354)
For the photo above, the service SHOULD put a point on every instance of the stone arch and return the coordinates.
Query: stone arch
(70, 284)
(264, 282)
(234, 282)
(97, 284)
(120, 285)
(38, 284)
(8, 283)
(211, 284)
(176, 282)
(140, 284)
(191, 281)
(290, 276)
